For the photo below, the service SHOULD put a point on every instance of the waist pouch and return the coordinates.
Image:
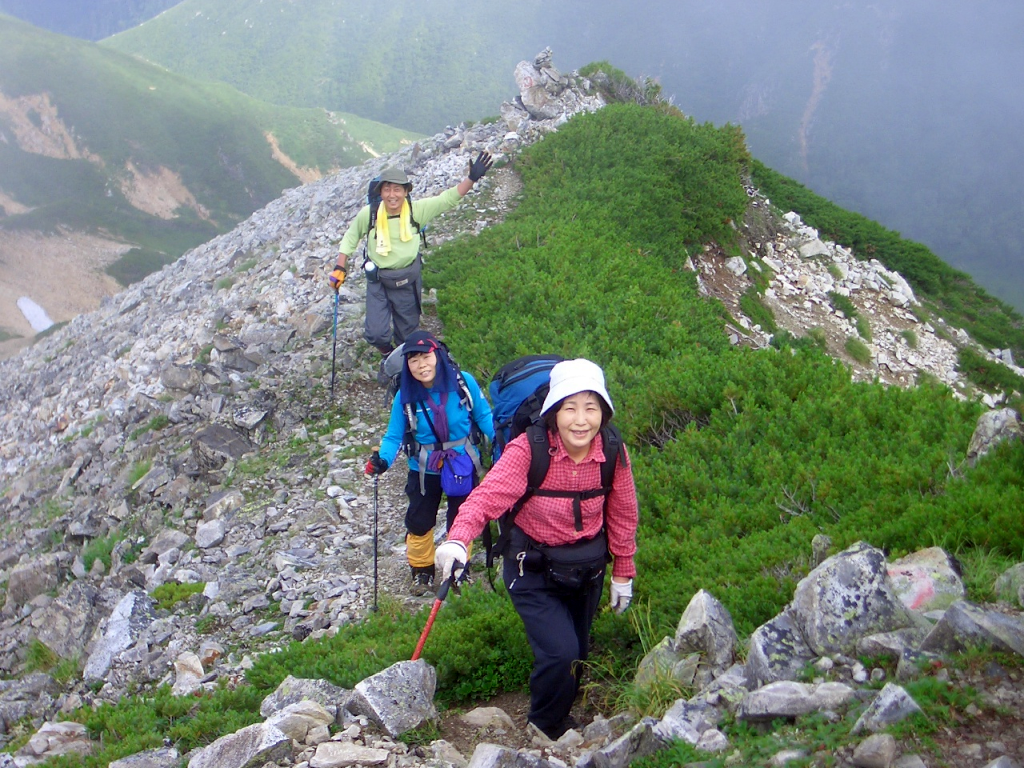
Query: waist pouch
(571, 566)
(457, 475)
(399, 278)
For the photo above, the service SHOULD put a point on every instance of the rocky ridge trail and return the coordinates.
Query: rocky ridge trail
(188, 424)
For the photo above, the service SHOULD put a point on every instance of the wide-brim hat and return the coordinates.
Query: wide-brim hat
(572, 376)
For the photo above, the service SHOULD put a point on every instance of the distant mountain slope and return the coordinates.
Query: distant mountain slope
(906, 112)
(92, 20)
(416, 65)
(93, 141)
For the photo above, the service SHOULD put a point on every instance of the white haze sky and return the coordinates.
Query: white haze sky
(908, 111)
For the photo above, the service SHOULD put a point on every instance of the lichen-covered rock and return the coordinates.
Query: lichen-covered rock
(845, 598)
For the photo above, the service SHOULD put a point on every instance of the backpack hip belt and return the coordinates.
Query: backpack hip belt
(424, 452)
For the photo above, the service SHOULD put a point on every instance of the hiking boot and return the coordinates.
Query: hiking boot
(382, 377)
(422, 580)
(555, 732)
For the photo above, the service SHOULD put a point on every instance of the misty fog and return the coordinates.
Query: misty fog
(909, 112)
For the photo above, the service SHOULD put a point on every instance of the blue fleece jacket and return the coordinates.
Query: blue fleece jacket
(458, 422)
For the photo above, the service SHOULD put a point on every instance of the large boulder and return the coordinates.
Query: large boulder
(846, 598)
(398, 698)
(993, 428)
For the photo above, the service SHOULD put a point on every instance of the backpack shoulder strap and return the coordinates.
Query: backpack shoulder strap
(613, 449)
(540, 459)
(540, 463)
(421, 231)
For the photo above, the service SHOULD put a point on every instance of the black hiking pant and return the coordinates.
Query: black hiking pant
(557, 622)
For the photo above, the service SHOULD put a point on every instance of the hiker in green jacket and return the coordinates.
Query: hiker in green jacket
(393, 265)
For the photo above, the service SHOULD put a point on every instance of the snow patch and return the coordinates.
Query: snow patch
(35, 314)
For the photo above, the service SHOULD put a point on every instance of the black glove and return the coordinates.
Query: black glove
(375, 465)
(480, 166)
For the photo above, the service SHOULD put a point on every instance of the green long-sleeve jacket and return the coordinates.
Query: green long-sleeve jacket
(402, 254)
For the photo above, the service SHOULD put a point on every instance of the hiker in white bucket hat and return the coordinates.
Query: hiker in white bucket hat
(561, 533)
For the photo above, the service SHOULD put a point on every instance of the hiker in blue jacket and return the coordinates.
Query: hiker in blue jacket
(393, 266)
(437, 416)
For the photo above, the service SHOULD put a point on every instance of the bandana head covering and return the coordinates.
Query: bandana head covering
(445, 377)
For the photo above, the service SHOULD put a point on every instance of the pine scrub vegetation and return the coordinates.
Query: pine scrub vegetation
(588, 266)
(740, 456)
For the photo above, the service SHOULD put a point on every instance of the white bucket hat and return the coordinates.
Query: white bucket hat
(572, 376)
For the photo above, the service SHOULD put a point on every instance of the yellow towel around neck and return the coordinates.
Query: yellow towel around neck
(384, 229)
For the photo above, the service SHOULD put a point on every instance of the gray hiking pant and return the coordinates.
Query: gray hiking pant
(393, 306)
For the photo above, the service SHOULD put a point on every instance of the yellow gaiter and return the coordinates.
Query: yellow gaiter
(420, 549)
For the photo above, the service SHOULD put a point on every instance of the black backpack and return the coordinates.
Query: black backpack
(373, 199)
(517, 394)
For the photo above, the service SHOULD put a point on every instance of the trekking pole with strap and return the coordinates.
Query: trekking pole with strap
(442, 593)
(334, 343)
(376, 481)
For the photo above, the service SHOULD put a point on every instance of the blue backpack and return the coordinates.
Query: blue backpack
(517, 393)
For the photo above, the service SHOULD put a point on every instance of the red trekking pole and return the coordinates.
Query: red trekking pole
(442, 593)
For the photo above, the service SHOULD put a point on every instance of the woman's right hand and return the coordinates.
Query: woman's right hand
(450, 559)
(621, 594)
(375, 465)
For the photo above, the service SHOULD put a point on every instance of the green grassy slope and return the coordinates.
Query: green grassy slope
(721, 436)
(416, 65)
(122, 110)
(740, 456)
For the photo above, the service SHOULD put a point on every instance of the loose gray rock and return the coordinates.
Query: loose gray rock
(398, 698)
(640, 741)
(891, 705)
(165, 757)
(1009, 585)
(777, 651)
(293, 690)
(250, 747)
(120, 631)
(965, 624)
(706, 626)
(791, 699)
(993, 428)
(876, 751)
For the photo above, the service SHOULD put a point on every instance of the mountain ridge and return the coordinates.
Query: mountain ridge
(932, 156)
(187, 427)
